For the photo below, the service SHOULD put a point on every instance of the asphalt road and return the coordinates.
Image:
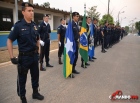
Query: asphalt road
(117, 69)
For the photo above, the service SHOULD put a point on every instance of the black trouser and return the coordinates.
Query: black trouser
(61, 49)
(76, 54)
(103, 43)
(45, 50)
(95, 41)
(26, 63)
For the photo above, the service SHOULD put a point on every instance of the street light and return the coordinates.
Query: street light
(122, 19)
(120, 12)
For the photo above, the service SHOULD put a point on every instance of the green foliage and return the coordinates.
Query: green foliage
(127, 28)
(137, 25)
(105, 18)
(93, 13)
(46, 4)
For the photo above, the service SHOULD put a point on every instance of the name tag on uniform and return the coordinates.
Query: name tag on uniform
(23, 29)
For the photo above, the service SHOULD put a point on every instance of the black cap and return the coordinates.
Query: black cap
(95, 19)
(62, 19)
(75, 13)
(46, 15)
(26, 4)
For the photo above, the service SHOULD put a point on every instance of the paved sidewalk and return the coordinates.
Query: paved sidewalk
(118, 69)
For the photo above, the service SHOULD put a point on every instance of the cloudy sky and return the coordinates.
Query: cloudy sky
(131, 8)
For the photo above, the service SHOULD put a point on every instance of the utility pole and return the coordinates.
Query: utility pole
(108, 10)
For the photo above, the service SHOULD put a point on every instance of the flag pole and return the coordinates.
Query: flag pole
(85, 16)
(71, 21)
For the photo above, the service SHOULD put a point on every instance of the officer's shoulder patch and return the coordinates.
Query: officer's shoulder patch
(12, 28)
(39, 26)
(58, 28)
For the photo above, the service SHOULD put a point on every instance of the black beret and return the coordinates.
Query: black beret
(46, 15)
(95, 19)
(75, 13)
(62, 19)
(26, 4)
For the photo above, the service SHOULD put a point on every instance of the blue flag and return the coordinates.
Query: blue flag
(69, 51)
(91, 46)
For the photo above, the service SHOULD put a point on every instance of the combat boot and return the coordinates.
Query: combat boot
(59, 61)
(23, 99)
(37, 95)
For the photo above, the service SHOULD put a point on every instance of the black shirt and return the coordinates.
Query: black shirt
(44, 31)
(75, 29)
(26, 35)
(62, 31)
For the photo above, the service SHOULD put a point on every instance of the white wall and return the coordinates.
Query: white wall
(56, 22)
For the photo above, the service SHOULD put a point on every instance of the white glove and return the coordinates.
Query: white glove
(59, 43)
(41, 43)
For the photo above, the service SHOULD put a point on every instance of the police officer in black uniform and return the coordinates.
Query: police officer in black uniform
(25, 31)
(95, 33)
(75, 28)
(104, 32)
(61, 30)
(44, 31)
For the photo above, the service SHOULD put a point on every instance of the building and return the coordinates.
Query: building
(8, 14)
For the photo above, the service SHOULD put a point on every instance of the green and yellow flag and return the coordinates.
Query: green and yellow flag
(83, 41)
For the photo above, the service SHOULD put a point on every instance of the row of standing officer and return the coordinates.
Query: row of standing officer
(110, 35)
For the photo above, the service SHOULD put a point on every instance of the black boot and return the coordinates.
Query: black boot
(59, 61)
(23, 99)
(37, 95)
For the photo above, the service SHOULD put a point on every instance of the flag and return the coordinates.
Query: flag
(91, 46)
(69, 51)
(83, 41)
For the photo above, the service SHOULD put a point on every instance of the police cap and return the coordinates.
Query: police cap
(26, 4)
(46, 15)
(94, 19)
(75, 13)
(62, 19)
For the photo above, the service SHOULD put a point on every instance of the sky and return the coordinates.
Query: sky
(131, 8)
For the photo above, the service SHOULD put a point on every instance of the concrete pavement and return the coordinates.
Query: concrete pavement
(118, 69)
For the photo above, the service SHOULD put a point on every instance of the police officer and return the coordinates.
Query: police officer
(104, 32)
(75, 28)
(44, 31)
(95, 33)
(25, 31)
(61, 30)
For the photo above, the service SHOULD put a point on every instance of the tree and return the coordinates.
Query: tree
(137, 26)
(105, 18)
(46, 4)
(93, 13)
(127, 28)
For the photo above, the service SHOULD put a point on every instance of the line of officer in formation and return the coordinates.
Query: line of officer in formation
(30, 38)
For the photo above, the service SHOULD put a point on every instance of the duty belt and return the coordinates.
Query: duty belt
(27, 53)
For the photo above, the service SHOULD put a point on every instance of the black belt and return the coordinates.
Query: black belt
(27, 53)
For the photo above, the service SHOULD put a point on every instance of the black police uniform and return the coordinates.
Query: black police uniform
(75, 29)
(44, 31)
(95, 35)
(27, 36)
(61, 30)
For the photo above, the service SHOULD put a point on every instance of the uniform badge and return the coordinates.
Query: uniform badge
(35, 27)
(39, 26)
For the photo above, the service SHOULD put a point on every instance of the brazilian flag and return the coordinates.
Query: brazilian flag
(83, 41)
